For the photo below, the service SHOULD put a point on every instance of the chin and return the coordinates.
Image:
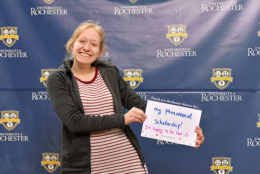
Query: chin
(86, 61)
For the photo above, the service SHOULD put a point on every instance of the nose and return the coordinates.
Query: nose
(86, 46)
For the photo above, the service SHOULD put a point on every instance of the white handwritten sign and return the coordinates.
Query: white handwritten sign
(171, 123)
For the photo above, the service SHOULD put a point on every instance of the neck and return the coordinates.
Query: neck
(81, 69)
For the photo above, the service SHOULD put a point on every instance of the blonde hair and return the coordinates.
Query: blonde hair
(82, 26)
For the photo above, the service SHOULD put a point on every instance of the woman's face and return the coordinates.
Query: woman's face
(86, 48)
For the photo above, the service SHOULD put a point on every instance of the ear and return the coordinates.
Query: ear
(71, 47)
(100, 53)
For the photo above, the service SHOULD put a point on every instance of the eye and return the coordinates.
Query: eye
(81, 41)
(94, 44)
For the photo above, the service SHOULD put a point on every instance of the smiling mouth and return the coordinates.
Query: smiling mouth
(84, 54)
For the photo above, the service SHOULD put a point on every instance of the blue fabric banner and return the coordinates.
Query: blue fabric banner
(203, 52)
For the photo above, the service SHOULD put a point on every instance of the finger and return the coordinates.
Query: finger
(140, 117)
(198, 130)
(137, 119)
(200, 136)
(138, 111)
(197, 146)
(200, 139)
(198, 143)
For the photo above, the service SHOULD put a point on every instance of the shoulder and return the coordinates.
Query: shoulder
(106, 65)
(63, 71)
(57, 77)
(56, 74)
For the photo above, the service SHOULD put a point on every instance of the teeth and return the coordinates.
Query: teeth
(83, 54)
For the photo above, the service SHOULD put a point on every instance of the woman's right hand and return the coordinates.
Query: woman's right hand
(135, 115)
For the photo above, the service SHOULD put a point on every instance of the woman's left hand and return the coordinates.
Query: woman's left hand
(200, 137)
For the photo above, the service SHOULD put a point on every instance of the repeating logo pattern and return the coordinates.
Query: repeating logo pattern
(45, 74)
(133, 77)
(10, 119)
(221, 165)
(176, 34)
(50, 161)
(9, 35)
(221, 77)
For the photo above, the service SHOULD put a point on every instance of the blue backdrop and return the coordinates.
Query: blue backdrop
(203, 52)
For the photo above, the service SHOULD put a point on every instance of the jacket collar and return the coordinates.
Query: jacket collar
(68, 62)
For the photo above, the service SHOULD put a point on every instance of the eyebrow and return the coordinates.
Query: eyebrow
(83, 37)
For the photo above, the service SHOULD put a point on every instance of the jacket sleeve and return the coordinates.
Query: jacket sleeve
(129, 97)
(70, 113)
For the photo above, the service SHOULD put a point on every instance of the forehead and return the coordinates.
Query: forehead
(90, 34)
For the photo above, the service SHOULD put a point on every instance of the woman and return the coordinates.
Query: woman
(88, 95)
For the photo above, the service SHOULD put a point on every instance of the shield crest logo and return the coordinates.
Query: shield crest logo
(45, 74)
(221, 165)
(221, 77)
(48, 1)
(10, 119)
(50, 161)
(176, 34)
(133, 1)
(133, 77)
(9, 35)
(258, 33)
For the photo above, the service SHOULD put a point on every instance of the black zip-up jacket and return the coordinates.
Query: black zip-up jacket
(64, 95)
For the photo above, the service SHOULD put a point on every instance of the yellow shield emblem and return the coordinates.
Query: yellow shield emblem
(133, 1)
(258, 123)
(221, 77)
(48, 1)
(9, 35)
(133, 77)
(45, 75)
(176, 34)
(10, 119)
(221, 165)
(50, 161)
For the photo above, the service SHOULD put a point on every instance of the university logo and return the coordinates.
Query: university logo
(133, 1)
(176, 34)
(50, 161)
(9, 35)
(221, 77)
(133, 77)
(258, 123)
(10, 119)
(258, 33)
(45, 75)
(221, 165)
(48, 1)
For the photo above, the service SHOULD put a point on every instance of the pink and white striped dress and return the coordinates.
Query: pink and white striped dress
(111, 150)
